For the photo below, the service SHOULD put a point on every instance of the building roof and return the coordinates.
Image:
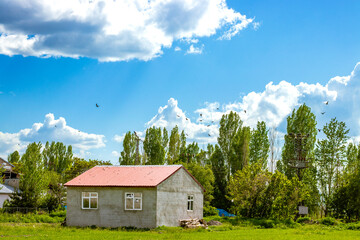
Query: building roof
(126, 176)
(6, 189)
(5, 163)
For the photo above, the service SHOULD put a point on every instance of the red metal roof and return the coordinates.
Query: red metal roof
(125, 176)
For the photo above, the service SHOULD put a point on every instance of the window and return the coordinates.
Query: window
(89, 200)
(133, 201)
(190, 203)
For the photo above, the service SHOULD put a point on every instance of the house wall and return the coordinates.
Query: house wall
(3, 197)
(172, 199)
(111, 208)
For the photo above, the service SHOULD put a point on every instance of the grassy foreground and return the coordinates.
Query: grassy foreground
(56, 231)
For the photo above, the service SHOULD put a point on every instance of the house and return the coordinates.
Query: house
(141, 196)
(11, 181)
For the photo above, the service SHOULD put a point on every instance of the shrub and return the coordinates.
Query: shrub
(328, 221)
(210, 211)
(303, 220)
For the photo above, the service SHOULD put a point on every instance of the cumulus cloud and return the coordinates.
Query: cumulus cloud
(195, 50)
(111, 30)
(50, 130)
(171, 115)
(115, 153)
(272, 105)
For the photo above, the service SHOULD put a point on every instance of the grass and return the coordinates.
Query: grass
(226, 231)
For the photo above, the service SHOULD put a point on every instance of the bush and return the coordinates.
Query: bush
(210, 211)
(303, 220)
(353, 226)
(32, 217)
(328, 221)
(58, 214)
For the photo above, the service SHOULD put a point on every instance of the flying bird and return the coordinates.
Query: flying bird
(244, 111)
(187, 119)
(319, 129)
(326, 102)
(200, 120)
(200, 114)
(217, 108)
(323, 113)
(208, 125)
(209, 134)
(177, 115)
(212, 121)
(97, 105)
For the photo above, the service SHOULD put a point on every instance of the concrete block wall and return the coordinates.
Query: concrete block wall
(172, 199)
(111, 208)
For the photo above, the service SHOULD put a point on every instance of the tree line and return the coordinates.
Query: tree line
(242, 173)
(43, 170)
(246, 172)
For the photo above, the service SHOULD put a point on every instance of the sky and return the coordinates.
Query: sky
(164, 62)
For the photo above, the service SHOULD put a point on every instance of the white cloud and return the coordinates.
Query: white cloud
(195, 50)
(119, 138)
(171, 115)
(177, 49)
(50, 130)
(115, 153)
(272, 105)
(110, 30)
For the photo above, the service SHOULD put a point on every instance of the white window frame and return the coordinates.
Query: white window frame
(92, 195)
(134, 199)
(190, 202)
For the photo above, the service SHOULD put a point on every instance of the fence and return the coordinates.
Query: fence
(23, 210)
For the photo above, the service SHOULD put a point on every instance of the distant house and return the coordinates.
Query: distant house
(138, 196)
(10, 179)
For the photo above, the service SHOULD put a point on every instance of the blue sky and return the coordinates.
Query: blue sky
(75, 64)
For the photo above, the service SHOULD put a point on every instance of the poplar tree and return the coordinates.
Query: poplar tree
(259, 145)
(154, 147)
(174, 146)
(32, 183)
(331, 159)
(128, 154)
(229, 125)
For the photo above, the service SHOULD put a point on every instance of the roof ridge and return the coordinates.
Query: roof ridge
(176, 165)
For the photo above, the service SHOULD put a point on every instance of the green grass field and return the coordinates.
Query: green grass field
(226, 231)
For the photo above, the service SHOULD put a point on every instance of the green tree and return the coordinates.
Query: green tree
(301, 121)
(32, 183)
(352, 154)
(205, 177)
(220, 173)
(14, 157)
(153, 146)
(192, 151)
(174, 146)
(128, 154)
(183, 152)
(259, 145)
(229, 125)
(57, 157)
(346, 199)
(258, 193)
(247, 189)
(239, 155)
(330, 159)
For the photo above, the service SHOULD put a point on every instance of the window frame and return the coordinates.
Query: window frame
(190, 202)
(96, 196)
(133, 201)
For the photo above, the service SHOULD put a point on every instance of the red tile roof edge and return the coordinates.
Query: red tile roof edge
(180, 167)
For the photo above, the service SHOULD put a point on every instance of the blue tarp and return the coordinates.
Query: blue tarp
(223, 213)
